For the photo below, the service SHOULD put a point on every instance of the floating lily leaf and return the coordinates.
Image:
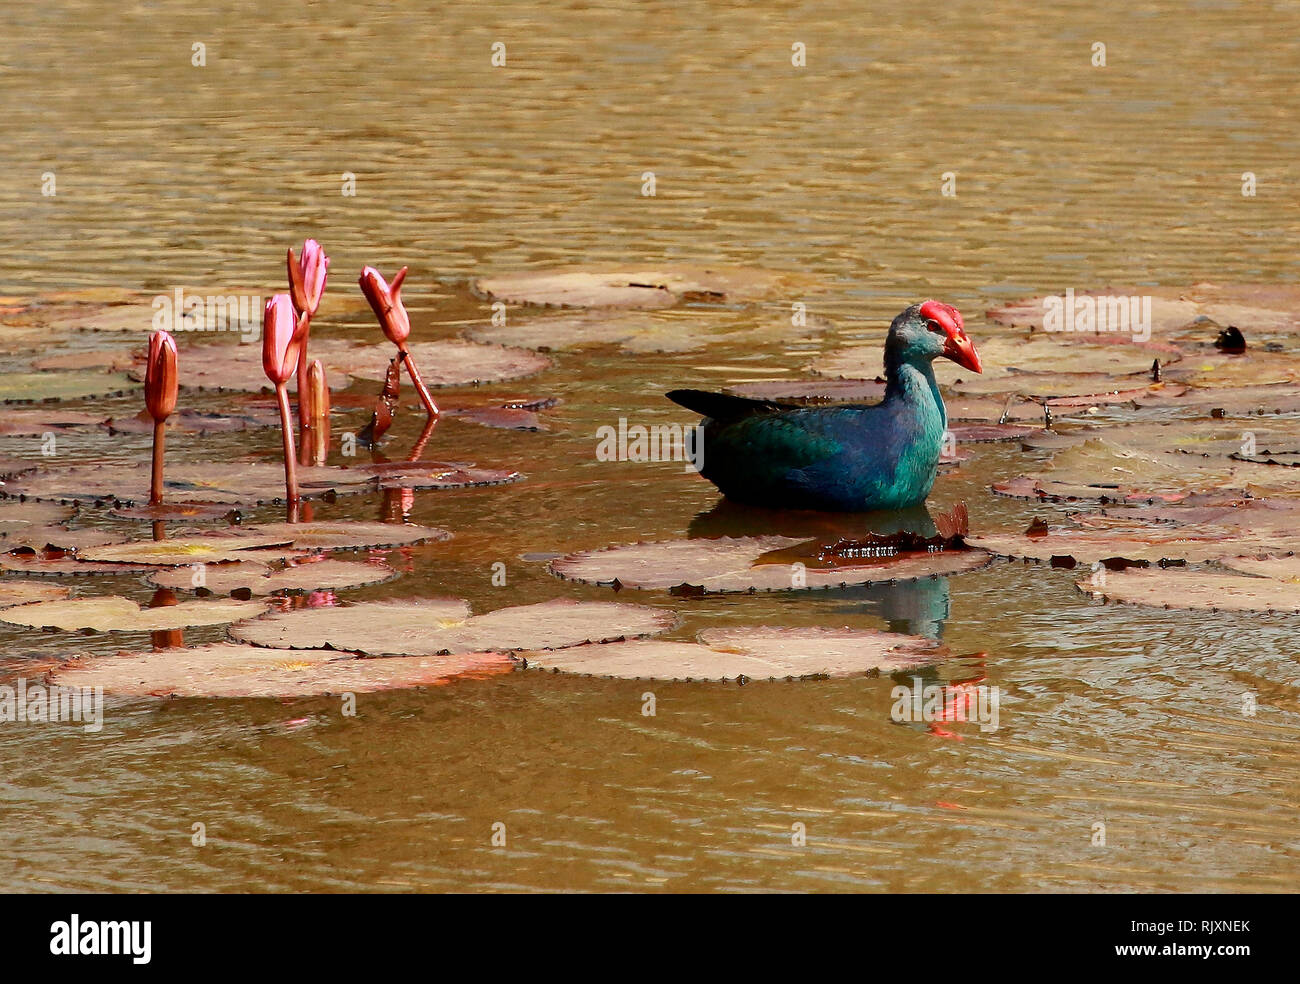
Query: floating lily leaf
(111, 613)
(1182, 589)
(227, 669)
(179, 512)
(518, 414)
(16, 515)
(1067, 547)
(195, 550)
(1100, 469)
(738, 564)
(758, 653)
(1285, 568)
(1007, 409)
(58, 564)
(229, 483)
(428, 627)
(192, 422)
(110, 360)
(648, 287)
(1259, 307)
(346, 535)
(438, 475)
(813, 391)
(449, 362)
(982, 433)
(38, 387)
(54, 538)
(222, 579)
(25, 593)
(35, 423)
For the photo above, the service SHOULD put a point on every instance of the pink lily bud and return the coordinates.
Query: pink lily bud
(386, 302)
(281, 339)
(160, 376)
(307, 278)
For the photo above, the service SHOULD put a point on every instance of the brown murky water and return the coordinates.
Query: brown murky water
(1067, 176)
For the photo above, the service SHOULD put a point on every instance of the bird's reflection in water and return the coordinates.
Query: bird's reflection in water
(917, 607)
(729, 518)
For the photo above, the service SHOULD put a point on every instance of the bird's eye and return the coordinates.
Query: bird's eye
(933, 325)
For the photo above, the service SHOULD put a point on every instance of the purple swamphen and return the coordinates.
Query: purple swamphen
(849, 457)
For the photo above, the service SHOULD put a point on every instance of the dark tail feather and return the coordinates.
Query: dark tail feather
(722, 406)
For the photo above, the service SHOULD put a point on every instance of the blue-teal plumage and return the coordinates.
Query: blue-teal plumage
(847, 457)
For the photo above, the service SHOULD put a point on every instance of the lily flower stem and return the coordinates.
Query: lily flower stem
(156, 482)
(417, 382)
(304, 412)
(290, 458)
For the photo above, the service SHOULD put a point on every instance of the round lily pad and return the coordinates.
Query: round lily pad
(347, 535)
(1187, 589)
(193, 550)
(39, 387)
(111, 613)
(729, 564)
(449, 362)
(25, 593)
(111, 360)
(54, 538)
(226, 669)
(438, 475)
(1285, 568)
(45, 564)
(18, 515)
(631, 287)
(216, 482)
(223, 579)
(34, 423)
(431, 626)
(812, 391)
(757, 653)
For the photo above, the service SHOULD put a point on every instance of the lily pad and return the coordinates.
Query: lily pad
(16, 515)
(521, 414)
(58, 564)
(322, 575)
(34, 423)
(216, 482)
(432, 626)
(346, 535)
(812, 391)
(442, 475)
(449, 362)
(110, 613)
(40, 387)
(227, 669)
(631, 287)
(1285, 568)
(730, 564)
(1193, 590)
(25, 593)
(55, 538)
(110, 360)
(757, 653)
(1252, 307)
(194, 550)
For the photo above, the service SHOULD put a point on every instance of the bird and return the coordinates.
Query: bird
(847, 457)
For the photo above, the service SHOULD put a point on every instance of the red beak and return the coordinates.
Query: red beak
(961, 350)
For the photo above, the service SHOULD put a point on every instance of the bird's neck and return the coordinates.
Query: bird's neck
(913, 382)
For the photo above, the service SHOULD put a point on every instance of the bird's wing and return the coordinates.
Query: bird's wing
(723, 407)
